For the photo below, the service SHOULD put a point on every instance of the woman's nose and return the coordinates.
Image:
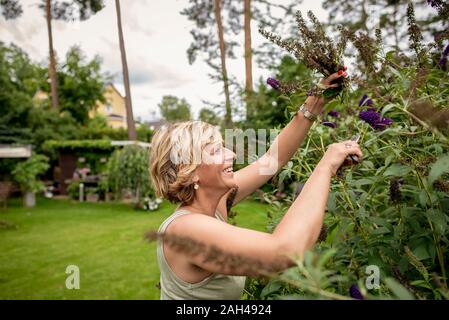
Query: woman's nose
(229, 154)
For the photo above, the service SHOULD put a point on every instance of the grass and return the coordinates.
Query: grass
(105, 240)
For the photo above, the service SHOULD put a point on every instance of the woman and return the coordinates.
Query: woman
(202, 188)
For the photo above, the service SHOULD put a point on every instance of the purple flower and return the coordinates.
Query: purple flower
(362, 100)
(329, 124)
(275, 84)
(446, 51)
(334, 114)
(374, 119)
(370, 116)
(443, 59)
(355, 293)
(365, 101)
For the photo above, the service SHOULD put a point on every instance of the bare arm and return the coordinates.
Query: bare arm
(296, 232)
(253, 176)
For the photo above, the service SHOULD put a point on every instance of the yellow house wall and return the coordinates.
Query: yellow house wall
(117, 102)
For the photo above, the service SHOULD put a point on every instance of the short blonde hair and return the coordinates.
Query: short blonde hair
(175, 154)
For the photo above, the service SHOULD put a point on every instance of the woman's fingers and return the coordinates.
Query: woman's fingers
(334, 76)
(352, 147)
(355, 150)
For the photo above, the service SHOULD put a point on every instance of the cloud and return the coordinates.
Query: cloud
(20, 33)
(156, 75)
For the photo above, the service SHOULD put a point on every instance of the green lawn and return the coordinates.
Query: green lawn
(105, 240)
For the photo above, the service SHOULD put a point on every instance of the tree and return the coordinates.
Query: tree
(129, 109)
(206, 39)
(224, 72)
(209, 116)
(11, 9)
(25, 121)
(174, 109)
(18, 82)
(248, 55)
(66, 11)
(81, 84)
(389, 15)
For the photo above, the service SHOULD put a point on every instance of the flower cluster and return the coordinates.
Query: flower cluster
(315, 49)
(371, 116)
(415, 35)
(331, 124)
(367, 47)
(151, 204)
(365, 101)
(395, 190)
(284, 88)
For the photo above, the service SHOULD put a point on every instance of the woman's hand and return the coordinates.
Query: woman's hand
(337, 153)
(328, 81)
(315, 103)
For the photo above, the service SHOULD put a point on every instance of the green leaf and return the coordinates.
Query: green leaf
(332, 92)
(331, 206)
(439, 220)
(332, 105)
(325, 256)
(398, 170)
(440, 167)
(398, 289)
(387, 108)
(421, 252)
(423, 198)
(380, 230)
(270, 288)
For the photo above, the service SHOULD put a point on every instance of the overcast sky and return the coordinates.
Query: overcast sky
(156, 39)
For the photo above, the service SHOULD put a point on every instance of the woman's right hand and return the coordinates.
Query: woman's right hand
(336, 154)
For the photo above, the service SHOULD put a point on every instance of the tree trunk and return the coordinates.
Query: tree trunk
(248, 57)
(52, 66)
(129, 109)
(228, 114)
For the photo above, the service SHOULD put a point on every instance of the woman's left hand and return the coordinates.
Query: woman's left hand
(315, 103)
(328, 80)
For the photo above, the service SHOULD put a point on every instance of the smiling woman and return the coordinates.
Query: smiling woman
(189, 165)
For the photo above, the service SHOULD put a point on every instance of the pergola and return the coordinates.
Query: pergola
(69, 152)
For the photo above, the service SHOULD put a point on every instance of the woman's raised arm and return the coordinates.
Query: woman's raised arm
(253, 176)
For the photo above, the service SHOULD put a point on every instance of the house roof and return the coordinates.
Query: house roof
(15, 151)
(115, 89)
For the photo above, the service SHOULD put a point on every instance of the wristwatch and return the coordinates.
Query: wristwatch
(307, 114)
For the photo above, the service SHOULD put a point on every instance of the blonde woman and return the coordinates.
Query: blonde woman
(189, 165)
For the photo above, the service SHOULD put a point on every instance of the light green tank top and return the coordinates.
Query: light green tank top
(214, 287)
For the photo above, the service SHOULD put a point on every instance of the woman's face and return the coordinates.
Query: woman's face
(215, 171)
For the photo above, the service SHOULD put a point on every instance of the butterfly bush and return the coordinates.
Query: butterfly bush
(391, 210)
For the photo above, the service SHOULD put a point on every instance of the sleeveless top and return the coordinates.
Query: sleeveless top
(214, 287)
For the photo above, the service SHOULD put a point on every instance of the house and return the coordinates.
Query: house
(114, 109)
